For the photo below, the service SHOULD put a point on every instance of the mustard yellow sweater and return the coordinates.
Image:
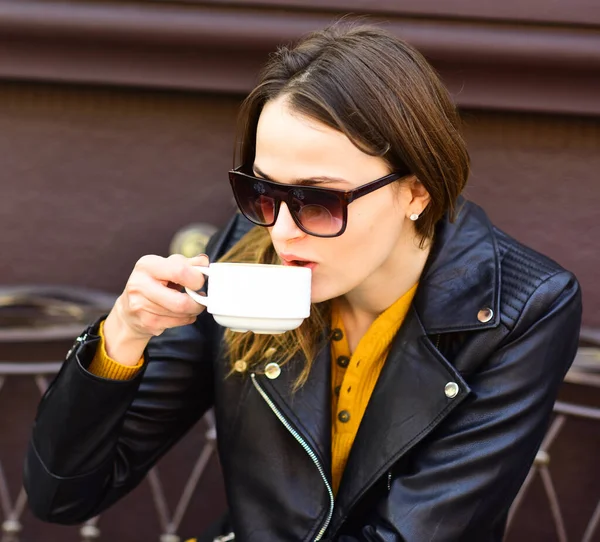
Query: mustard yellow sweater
(354, 375)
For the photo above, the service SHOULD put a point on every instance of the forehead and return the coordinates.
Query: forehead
(291, 145)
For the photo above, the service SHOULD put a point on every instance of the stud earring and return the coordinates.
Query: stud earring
(414, 217)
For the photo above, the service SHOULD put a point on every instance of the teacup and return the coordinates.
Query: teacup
(267, 299)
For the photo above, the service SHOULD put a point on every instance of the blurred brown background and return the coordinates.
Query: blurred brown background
(117, 124)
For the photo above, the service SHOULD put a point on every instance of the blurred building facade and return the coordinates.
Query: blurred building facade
(117, 121)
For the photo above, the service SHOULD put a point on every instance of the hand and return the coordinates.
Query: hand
(151, 302)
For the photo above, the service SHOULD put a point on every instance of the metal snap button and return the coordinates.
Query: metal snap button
(272, 370)
(451, 390)
(344, 416)
(240, 366)
(485, 315)
(336, 390)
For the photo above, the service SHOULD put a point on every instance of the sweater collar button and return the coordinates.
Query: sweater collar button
(337, 334)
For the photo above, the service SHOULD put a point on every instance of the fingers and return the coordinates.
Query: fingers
(176, 269)
(201, 259)
(149, 323)
(153, 301)
(146, 293)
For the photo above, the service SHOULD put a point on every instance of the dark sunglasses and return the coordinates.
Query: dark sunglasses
(322, 212)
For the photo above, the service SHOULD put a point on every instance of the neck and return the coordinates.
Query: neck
(398, 274)
(360, 307)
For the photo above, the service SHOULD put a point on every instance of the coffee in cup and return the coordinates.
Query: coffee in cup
(265, 299)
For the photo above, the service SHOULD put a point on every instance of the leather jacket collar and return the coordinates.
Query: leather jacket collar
(463, 272)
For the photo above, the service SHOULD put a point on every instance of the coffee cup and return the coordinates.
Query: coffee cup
(265, 299)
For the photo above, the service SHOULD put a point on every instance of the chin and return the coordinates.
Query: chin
(324, 292)
(318, 295)
(318, 298)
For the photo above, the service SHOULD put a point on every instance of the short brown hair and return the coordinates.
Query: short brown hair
(382, 94)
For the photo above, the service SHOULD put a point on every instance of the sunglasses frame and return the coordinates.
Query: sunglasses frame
(285, 192)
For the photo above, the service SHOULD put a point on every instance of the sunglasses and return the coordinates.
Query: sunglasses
(322, 212)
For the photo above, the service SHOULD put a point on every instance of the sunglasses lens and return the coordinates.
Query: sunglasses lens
(320, 213)
(254, 200)
(264, 208)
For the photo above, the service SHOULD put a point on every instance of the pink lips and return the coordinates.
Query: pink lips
(291, 259)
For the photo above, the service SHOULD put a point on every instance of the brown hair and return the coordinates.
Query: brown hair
(384, 96)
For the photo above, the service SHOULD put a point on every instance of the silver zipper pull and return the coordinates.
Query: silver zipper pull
(77, 342)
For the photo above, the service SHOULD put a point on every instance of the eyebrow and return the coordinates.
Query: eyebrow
(307, 181)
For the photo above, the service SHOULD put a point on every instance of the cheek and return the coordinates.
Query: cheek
(365, 242)
(372, 234)
(370, 224)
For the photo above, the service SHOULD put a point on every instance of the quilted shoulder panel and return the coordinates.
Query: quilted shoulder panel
(522, 271)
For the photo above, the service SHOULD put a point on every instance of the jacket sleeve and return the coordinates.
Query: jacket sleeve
(462, 479)
(94, 439)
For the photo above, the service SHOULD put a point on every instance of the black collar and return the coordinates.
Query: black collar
(462, 274)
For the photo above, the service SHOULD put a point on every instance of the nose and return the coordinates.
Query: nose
(285, 228)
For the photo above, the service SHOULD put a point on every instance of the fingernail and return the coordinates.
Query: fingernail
(201, 259)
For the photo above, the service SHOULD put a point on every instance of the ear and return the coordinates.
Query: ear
(420, 197)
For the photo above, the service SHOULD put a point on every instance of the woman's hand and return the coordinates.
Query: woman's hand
(151, 302)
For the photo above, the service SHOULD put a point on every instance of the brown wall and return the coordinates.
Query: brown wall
(94, 178)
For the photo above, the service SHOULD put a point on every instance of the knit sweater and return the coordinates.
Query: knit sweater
(354, 375)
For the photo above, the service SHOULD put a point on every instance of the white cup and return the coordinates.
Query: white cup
(262, 298)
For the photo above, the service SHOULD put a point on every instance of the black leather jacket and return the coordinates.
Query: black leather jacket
(452, 427)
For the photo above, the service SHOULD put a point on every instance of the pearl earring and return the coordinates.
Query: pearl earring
(414, 217)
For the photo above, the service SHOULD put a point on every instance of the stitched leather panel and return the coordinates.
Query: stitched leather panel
(522, 272)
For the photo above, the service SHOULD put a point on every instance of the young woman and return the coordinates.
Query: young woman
(409, 406)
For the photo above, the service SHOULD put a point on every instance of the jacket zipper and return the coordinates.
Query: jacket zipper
(306, 448)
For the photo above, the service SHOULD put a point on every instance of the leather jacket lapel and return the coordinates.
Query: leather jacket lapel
(409, 400)
(308, 409)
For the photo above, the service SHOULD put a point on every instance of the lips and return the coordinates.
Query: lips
(295, 260)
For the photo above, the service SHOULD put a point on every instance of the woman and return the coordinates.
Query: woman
(409, 406)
